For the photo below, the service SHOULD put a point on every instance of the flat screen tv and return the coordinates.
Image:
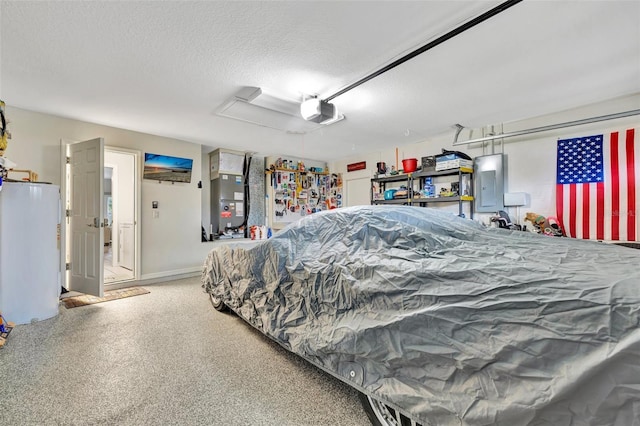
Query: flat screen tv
(166, 168)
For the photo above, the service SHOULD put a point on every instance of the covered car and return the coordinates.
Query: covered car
(438, 320)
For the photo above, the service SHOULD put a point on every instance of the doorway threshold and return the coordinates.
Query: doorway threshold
(114, 285)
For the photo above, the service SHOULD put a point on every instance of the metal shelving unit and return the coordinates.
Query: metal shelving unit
(410, 180)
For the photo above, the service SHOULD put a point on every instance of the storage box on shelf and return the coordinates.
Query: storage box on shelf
(453, 164)
(452, 161)
(414, 182)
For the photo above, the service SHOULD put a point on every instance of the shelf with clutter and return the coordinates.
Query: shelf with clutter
(427, 185)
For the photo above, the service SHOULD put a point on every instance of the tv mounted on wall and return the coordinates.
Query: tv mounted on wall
(167, 168)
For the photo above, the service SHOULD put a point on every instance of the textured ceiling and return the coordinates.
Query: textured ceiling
(165, 67)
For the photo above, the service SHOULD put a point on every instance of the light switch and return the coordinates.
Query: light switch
(156, 214)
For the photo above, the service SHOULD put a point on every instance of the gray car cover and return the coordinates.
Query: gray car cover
(445, 320)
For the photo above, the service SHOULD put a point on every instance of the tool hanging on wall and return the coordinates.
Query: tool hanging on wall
(5, 163)
(4, 134)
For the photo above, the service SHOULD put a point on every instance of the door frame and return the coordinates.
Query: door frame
(137, 184)
(64, 200)
(64, 186)
(114, 205)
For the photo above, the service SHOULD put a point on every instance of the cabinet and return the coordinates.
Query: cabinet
(414, 183)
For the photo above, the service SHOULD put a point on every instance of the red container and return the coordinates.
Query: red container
(409, 165)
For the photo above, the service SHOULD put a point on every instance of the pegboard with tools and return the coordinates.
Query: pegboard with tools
(301, 193)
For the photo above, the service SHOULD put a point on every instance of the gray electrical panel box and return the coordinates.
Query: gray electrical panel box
(227, 193)
(489, 180)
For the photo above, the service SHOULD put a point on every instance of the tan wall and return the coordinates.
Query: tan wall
(170, 244)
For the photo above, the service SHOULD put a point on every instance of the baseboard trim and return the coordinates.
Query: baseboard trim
(158, 277)
(175, 274)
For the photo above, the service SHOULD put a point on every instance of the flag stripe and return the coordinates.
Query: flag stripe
(573, 189)
(631, 186)
(560, 206)
(600, 211)
(615, 188)
(585, 210)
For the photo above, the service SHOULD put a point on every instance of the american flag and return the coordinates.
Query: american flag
(597, 196)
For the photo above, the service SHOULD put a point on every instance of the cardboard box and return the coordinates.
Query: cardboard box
(453, 164)
(446, 157)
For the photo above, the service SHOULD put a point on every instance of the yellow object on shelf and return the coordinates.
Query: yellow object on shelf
(4, 134)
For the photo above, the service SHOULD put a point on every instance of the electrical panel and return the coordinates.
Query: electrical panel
(489, 180)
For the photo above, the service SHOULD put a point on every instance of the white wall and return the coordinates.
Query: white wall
(171, 243)
(530, 160)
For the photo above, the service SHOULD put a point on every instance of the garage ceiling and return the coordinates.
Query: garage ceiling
(167, 68)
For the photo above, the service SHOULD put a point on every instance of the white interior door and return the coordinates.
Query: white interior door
(358, 192)
(87, 217)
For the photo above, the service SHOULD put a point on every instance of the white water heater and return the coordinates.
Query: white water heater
(29, 251)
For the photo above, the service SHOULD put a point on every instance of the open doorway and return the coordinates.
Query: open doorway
(91, 209)
(120, 197)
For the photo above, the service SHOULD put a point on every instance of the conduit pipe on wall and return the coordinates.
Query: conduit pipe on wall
(551, 127)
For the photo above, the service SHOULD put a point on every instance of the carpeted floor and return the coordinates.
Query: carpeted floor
(85, 299)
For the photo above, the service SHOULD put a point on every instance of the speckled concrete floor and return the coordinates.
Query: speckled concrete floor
(162, 358)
